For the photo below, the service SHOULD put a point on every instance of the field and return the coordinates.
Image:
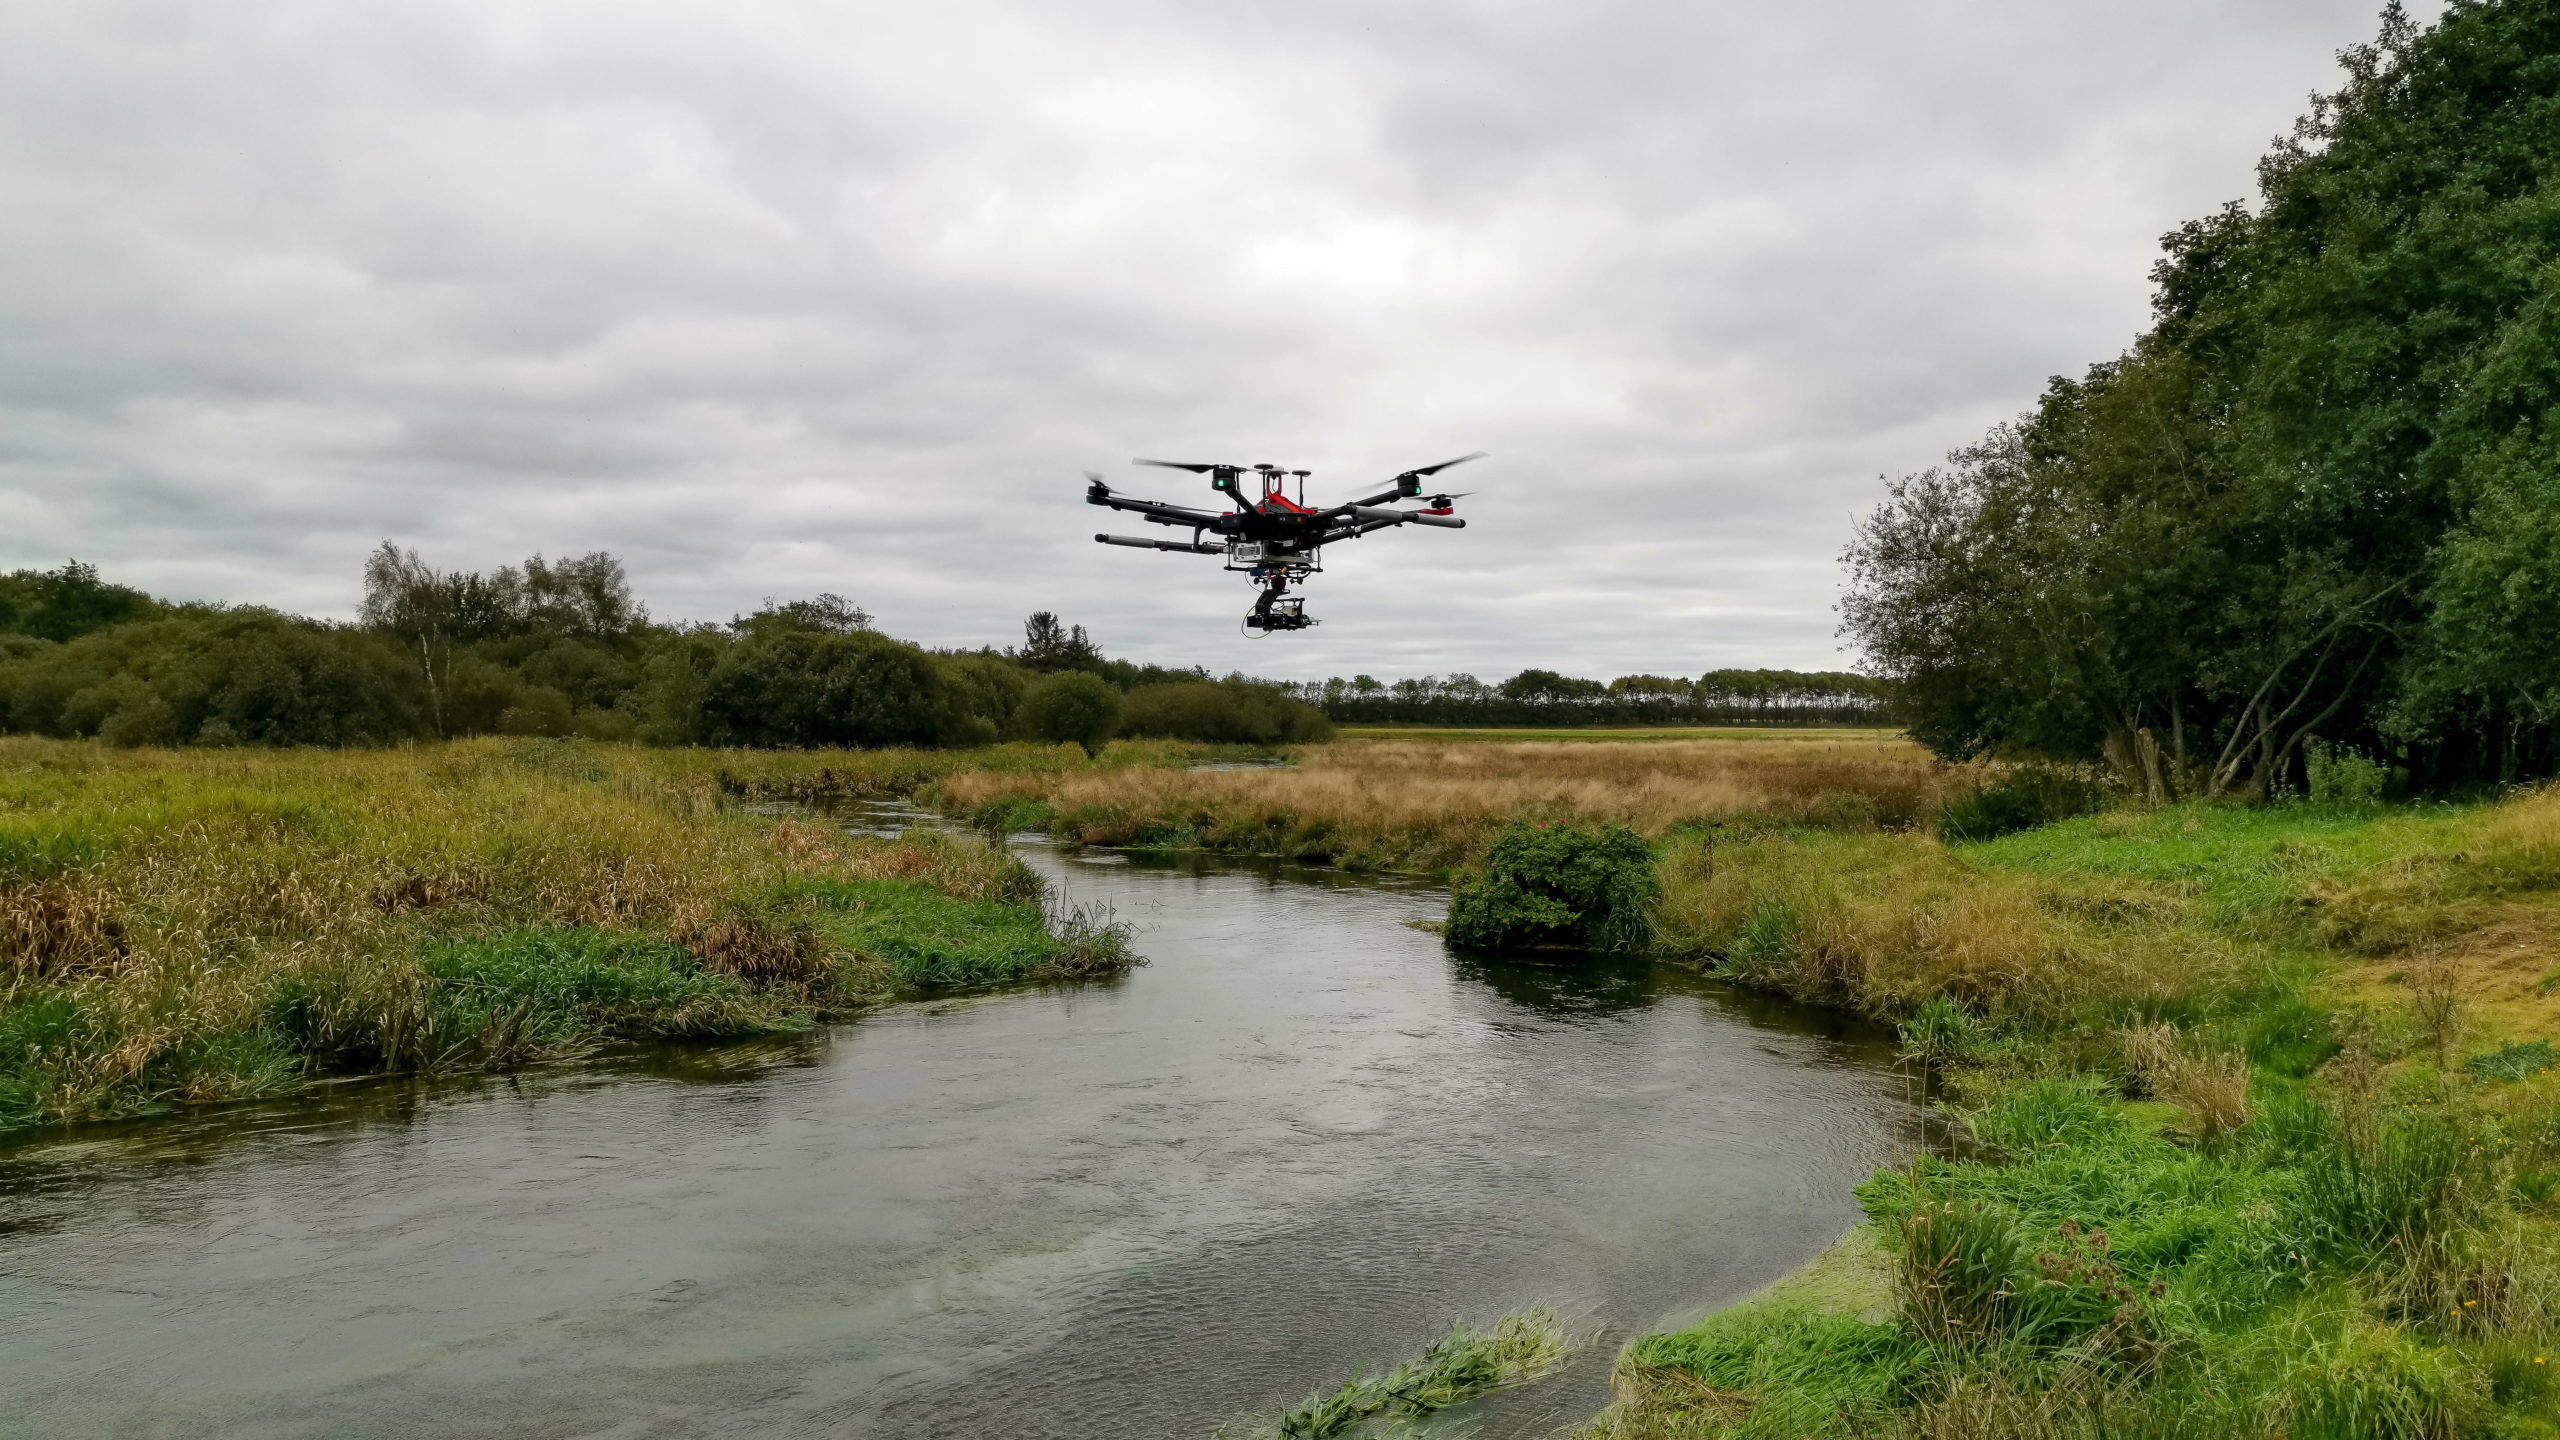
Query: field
(182, 927)
(1428, 804)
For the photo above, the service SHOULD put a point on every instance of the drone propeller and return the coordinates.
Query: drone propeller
(1184, 465)
(1094, 475)
(1451, 495)
(1445, 464)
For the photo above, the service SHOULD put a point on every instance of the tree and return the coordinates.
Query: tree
(1222, 712)
(804, 687)
(828, 614)
(2312, 499)
(67, 603)
(1070, 706)
(1048, 645)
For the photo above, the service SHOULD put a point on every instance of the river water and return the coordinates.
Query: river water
(1304, 1138)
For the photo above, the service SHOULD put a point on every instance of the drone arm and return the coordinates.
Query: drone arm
(1192, 548)
(1157, 511)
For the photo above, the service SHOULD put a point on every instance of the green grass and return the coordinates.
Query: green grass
(2228, 1188)
(1458, 1367)
(929, 938)
(2247, 864)
(210, 925)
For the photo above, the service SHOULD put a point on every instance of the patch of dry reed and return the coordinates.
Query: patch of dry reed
(1429, 805)
(1884, 923)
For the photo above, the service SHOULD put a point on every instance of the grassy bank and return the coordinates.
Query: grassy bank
(182, 927)
(2274, 1151)
(1431, 805)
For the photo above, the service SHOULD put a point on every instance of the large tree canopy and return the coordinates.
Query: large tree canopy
(2319, 497)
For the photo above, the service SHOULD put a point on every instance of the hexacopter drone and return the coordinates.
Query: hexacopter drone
(1276, 539)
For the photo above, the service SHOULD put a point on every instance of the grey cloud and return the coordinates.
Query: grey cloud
(774, 297)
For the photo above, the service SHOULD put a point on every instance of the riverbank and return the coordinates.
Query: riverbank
(2276, 1144)
(201, 926)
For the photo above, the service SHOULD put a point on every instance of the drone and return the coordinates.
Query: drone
(1277, 539)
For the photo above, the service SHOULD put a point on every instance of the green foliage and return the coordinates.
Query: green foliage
(2315, 497)
(2048, 1114)
(68, 603)
(240, 677)
(1049, 645)
(930, 939)
(803, 687)
(2359, 1203)
(1962, 1266)
(2341, 775)
(1222, 712)
(1939, 1031)
(1556, 884)
(984, 691)
(2515, 1060)
(1070, 706)
(2022, 799)
(1457, 1367)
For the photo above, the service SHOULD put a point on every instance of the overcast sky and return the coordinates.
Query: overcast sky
(773, 297)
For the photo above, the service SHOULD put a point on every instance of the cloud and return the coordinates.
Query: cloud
(773, 298)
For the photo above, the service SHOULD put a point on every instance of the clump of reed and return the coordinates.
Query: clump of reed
(1434, 806)
(215, 924)
(2104, 1280)
(1457, 1367)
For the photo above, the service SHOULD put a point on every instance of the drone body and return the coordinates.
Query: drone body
(1274, 539)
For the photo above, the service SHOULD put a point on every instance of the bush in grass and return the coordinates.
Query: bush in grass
(2343, 775)
(1556, 884)
(2023, 799)
(1223, 712)
(1070, 706)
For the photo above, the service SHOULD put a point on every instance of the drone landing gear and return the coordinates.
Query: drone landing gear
(1276, 610)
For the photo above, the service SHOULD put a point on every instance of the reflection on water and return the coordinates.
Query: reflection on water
(1304, 1138)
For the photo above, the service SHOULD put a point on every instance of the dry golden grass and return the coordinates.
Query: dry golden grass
(1885, 923)
(1429, 805)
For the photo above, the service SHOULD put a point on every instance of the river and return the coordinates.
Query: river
(1303, 1138)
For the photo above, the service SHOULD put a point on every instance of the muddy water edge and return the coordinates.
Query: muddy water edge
(1305, 1138)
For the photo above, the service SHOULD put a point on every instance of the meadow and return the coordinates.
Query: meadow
(212, 925)
(1431, 804)
(2268, 1117)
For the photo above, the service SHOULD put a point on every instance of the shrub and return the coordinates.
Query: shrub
(2023, 799)
(805, 687)
(1222, 712)
(1070, 706)
(986, 689)
(1555, 884)
(2341, 775)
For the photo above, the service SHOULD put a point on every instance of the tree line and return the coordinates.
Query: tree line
(2316, 504)
(560, 647)
(1547, 698)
